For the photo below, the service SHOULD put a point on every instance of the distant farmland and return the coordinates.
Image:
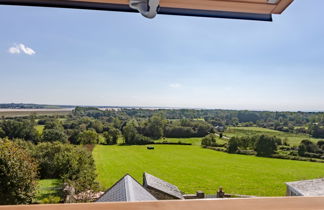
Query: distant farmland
(26, 112)
(293, 138)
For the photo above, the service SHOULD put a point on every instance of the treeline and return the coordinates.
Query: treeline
(32, 106)
(295, 122)
(267, 146)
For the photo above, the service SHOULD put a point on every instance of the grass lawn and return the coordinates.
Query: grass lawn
(293, 139)
(46, 188)
(193, 168)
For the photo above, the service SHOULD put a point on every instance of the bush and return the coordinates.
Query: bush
(232, 145)
(310, 146)
(219, 149)
(312, 155)
(73, 164)
(245, 152)
(18, 173)
(209, 140)
(302, 149)
(178, 132)
(51, 135)
(285, 148)
(88, 137)
(265, 146)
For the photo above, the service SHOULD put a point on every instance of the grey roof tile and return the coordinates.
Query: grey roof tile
(162, 186)
(126, 189)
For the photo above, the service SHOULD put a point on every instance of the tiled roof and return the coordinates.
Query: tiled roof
(126, 189)
(162, 186)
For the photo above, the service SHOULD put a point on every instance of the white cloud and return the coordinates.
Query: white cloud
(21, 48)
(175, 85)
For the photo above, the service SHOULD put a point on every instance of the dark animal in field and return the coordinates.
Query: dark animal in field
(150, 148)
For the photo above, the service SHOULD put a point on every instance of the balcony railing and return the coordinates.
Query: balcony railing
(281, 203)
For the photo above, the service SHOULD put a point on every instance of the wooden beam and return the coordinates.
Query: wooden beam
(283, 203)
(281, 6)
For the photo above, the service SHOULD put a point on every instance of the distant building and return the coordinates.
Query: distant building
(314, 187)
(125, 190)
(161, 189)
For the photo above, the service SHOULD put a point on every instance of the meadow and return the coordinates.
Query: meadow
(293, 139)
(193, 168)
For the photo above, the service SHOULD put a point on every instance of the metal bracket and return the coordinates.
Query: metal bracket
(148, 8)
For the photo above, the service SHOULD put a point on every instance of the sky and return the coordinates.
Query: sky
(82, 57)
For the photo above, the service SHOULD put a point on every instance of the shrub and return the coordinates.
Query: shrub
(209, 140)
(312, 155)
(285, 148)
(88, 137)
(245, 152)
(310, 146)
(320, 144)
(51, 135)
(232, 145)
(302, 149)
(18, 173)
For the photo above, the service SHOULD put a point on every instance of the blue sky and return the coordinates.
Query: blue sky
(108, 58)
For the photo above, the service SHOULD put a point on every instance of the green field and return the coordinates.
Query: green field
(47, 188)
(193, 168)
(293, 139)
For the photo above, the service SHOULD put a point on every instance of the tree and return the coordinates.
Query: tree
(23, 129)
(88, 137)
(18, 174)
(132, 136)
(209, 140)
(265, 146)
(111, 136)
(51, 135)
(74, 164)
(232, 145)
(320, 144)
(155, 126)
(309, 146)
(302, 150)
(53, 124)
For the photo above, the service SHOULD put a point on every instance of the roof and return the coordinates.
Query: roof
(236, 9)
(314, 187)
(161, 185)
(126, 189)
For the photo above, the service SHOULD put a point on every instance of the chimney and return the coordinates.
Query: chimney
(200, 194)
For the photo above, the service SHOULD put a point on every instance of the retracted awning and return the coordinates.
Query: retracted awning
(234, 9)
